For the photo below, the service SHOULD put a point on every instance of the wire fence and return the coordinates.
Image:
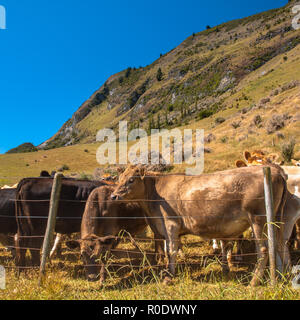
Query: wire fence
(136, 239)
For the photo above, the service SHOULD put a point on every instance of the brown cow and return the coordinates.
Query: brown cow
(258, 158)
(32, 209)
(218, 205)
(102, 222)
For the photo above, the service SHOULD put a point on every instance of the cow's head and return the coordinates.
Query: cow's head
(131, 184)
(296, 163)
(257, 158)
(93, 249)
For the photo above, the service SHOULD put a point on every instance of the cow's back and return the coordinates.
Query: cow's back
(105, 217)
(217, 204)
(33, 199)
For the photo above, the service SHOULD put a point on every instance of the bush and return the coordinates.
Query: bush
(236, 124)
(170, 108)
(205, 114)
(257, 121)
(64, 167)
(288, 149)
(219, 120)
(275, 123)
(224, 139)
(159, 75)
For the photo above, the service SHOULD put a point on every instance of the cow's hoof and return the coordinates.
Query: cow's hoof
(225, 269)
(181, 254)
(168, 281)
(92, 278)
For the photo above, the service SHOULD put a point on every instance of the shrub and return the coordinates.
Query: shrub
(209, 138)
(224, 139)
(236, 124)
(275, 123)
(288, 149)
(64, 167)
(257, 121)
(219, 120)
(170, 108)
(84, 176)
(205, 114)
(159, 74)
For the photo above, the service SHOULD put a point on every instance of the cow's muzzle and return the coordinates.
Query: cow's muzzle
(115, 197)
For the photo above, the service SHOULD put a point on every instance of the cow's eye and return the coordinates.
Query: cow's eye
(131, 180)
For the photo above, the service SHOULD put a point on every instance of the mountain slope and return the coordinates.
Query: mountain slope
(209, 72)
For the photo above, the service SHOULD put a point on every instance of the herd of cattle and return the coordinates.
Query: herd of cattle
(221, 205)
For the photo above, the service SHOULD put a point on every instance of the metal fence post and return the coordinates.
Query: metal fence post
(270, 221)
(53, 208)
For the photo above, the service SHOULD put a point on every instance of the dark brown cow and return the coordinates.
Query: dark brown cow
(32, 208)
(218, 205)
(102, 222)
(8, 225)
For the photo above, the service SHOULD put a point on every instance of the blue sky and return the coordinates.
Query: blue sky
(55, 54)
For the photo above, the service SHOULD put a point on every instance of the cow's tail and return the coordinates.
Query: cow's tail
(24, 224)
(19, 212)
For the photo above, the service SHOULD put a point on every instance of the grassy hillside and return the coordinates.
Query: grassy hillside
(206, 74)
(239, 81)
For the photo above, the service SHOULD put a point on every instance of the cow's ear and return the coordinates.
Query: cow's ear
(247, 155)
(142, 172)
(73, 244)
(240, 164)
(273, 157)
(294, 162)
(120, 170)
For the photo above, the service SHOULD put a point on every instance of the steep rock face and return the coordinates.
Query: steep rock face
(196, 80)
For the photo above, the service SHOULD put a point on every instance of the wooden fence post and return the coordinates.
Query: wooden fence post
(270, 221)
(53, 208)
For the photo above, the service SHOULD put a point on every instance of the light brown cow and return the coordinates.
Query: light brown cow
(257, 158)
(218, 205)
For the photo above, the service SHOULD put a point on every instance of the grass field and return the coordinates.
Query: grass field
(199, 278)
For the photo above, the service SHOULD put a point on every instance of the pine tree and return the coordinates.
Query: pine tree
(159, 75)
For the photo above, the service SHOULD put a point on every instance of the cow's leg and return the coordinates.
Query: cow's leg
(226, 247)
(180, 250)
(35, 251)
(215, 246)
(57, 246)
(103, 272)
(262, 254)
(297, 241)
(13, 242)
(103, 262)
(172, 245)
(283, 252)
(239, 245)
(20, 246)
(159, 249)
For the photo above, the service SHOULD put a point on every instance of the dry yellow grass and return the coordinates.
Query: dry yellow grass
(199, 278)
